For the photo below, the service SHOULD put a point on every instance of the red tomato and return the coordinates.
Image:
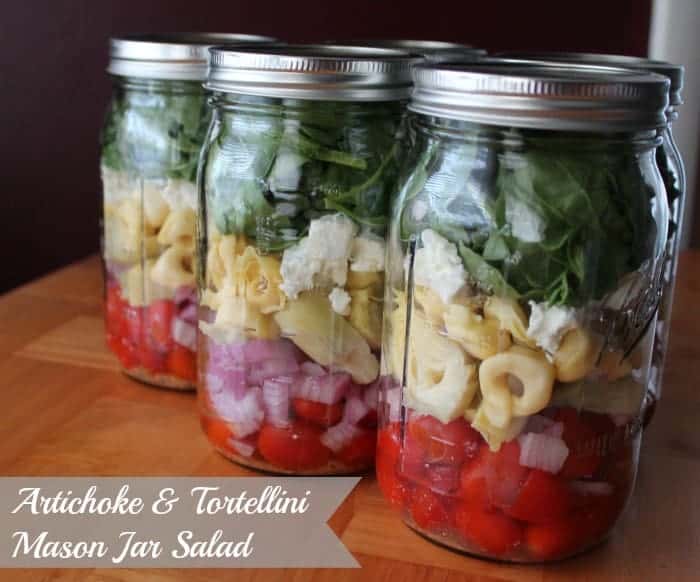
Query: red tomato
(393, 487)
(158, 323)
(505, 475)
(412, 464)
(429, 510)
(369, 420)
(473, 488)
(297, 448)
(443, 478)
(488, 529)
(583, 459)
(317, 412)
(360, 451)
(114, 312)
(542, 499)
(574, 533)
(125, 351)
(447, 443)
(133, 320)
(553, 540)
(182, 363)
(218, 432)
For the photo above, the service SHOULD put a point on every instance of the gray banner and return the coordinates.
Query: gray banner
(181, 522)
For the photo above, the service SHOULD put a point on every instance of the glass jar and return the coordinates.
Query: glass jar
(296, 174)
(524, 259)
(670, 165)
(428, 49)
(155, 125)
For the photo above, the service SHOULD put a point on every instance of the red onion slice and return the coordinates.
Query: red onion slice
(542, 451)
(340, 435)
(275, 396)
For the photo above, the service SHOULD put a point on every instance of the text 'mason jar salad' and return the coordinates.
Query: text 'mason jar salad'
(672, 171)
(155, 125)
(525, 255)
(295, 179)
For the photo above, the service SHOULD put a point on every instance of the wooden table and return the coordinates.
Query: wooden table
(66, 410)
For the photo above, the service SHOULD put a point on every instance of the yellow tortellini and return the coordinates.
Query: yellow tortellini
(576, 355)
(441, 381)
(234, 312)
(430, 303)
(366, 315)
(178, 228)
(516, 382)
(260, 280)
(155, 208)
(480, 337)
(495, 436)
(364, 279)
(510, 316)
(174, 268)
(125, 232)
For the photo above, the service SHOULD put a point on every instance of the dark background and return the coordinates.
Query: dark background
(53, 89)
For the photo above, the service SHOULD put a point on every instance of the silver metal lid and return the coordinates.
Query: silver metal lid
(177, 56)
(319, 72)
(558, 97)
(429, 49)
(674, 72)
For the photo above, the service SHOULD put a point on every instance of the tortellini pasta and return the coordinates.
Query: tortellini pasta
(576, 356)
(516, 382)
(178, 228)
(510, 316)
(155, 207)
(173, 268)
(479, 336)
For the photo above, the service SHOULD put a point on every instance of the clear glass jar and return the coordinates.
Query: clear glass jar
(524, 268)
(295, 195)
(155, 125)
(673, 173)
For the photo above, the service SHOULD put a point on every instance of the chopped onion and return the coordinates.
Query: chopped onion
(328, 389)
(189, 313)
(184, 333)
(185, 295)
(391, 400)
(259, 350)
(592, 487)
(542, 451)
(243, 448)
(232, 380)
(355, 407)
(275, 395)
(245, 414)
(268, 369)
(312, 369)
(340, 435)
(371, 395)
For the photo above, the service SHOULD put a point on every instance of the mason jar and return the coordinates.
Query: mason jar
(155, 125)
(428, 49)
(525, 255)
(672, 171)
(295, 179)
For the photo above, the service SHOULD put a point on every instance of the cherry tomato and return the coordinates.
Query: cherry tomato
(505, 475)
(447, 443)
(360, 451)
(444, 479)
(114, 312)
(429, 510)
(218, 432)
(318, 413)
(369, 420)
(488, 529)
(125, 351)
(542, 499)
(134, 324)
(473, 486)
(584, 458)
(395, 490)
(182, 363)
(412, 464)
(158, 325)
(297, 448)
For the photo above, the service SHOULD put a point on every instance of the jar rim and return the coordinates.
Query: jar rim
(314, 72)
(556, 96)
(170, 56)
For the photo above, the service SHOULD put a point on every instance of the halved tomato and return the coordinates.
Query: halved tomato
(297, 448)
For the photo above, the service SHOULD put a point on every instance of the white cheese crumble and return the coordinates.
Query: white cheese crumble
(548, 325)
(180, 194)
(525, 223)
(320, 258)
(438, 266)
(367, 253)
(340, 301)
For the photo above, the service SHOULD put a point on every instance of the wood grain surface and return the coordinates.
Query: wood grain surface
(67, 410)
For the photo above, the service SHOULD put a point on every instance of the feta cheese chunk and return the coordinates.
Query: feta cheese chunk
(438, 266)
(180, 194)
(548, 325)
(320, 258)
(367, 253)
(525, 223)
(340, 301)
